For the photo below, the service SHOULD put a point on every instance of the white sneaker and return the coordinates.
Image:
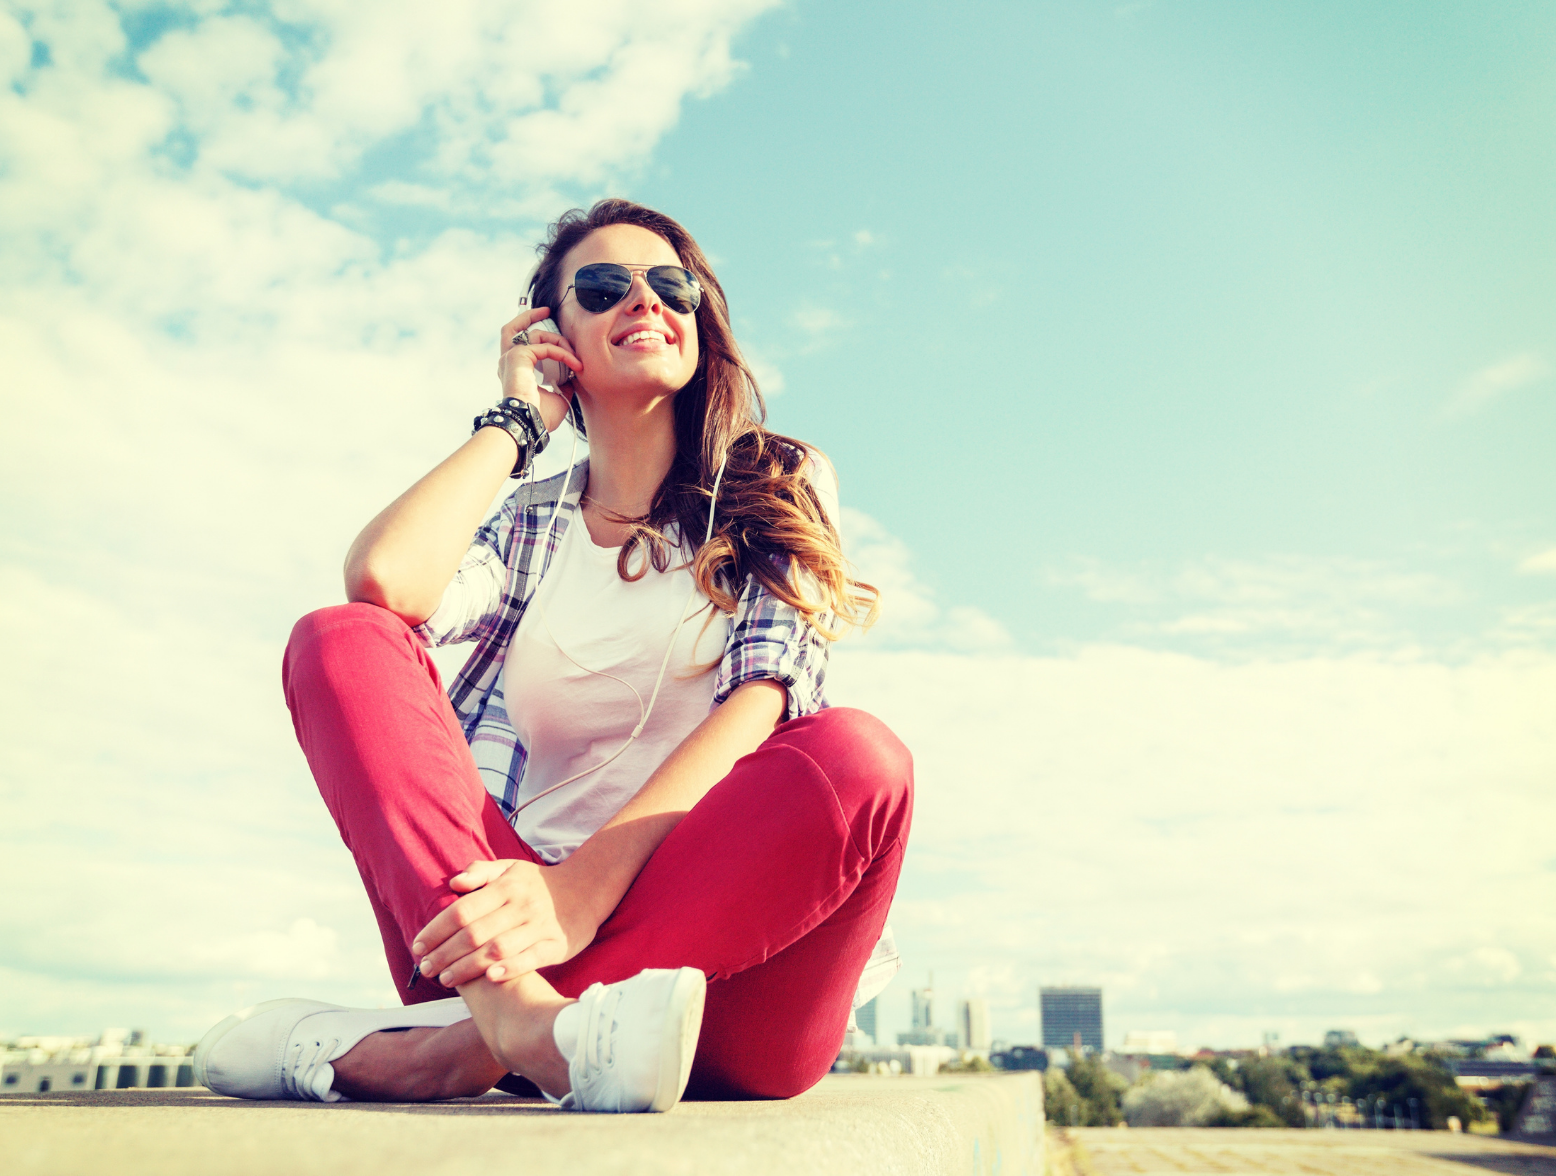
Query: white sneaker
(634, 1041)
(283, 1048)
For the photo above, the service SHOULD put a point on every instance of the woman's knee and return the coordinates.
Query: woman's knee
(856, 750)
(336, 636)
(869, 770)
(340, 623)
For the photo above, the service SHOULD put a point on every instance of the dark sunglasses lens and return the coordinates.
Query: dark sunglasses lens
(599, 287)
(678, 287)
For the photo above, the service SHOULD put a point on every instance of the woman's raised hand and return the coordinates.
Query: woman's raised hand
(516, 363)
(514, 917)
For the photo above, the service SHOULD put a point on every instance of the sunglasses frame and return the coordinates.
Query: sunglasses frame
(632, 272)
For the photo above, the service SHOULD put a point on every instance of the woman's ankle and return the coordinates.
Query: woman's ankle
(516, 1019)
(417, 1065)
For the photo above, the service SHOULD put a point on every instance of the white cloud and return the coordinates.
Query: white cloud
(910, 614)
(817, 324)
(1340, 604)
(512, 91)
(1494, 380)
(769, 377)
(210, 385)
(1227, 848)
(1541, 562)
(15, 49)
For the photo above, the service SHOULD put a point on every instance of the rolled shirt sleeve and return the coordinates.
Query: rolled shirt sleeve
(773, 640)
(471, 605)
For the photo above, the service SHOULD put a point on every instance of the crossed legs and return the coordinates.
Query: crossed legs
(776, 885)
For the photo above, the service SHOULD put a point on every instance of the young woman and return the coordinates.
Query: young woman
(632, 837)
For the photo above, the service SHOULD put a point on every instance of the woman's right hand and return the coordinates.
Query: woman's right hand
(516, 364)
(512, 917)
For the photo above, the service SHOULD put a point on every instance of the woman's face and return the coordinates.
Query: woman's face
(639, 345)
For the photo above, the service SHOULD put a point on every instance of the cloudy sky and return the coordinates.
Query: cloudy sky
(1189, 372)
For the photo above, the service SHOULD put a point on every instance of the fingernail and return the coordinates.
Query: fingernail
(495, 972)
(416, 948)
(445, 978)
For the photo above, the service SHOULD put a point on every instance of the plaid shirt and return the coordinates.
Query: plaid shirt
(486, 600)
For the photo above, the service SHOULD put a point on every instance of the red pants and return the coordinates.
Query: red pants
(776, 885)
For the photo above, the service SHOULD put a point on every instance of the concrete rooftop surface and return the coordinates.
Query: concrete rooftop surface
(967, 1124)
(1158, 1151)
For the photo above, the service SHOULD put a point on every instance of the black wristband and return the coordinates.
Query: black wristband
(521, 421)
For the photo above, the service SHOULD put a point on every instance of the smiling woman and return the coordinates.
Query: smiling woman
(632, 836)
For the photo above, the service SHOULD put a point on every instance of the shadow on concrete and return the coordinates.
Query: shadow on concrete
(1514, 1165)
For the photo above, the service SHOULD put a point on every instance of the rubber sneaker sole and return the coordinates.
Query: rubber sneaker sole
(683, 1025)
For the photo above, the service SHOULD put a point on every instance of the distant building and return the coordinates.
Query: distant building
(1339, 1039)
(1070, 1014)
(1504, 1048)
(1474, 1074)
(924, 1032)
(975, 1023)
(1150, 1041)
(931, 1036)
(919, 1060)
(864, 1017)
(114, 1060)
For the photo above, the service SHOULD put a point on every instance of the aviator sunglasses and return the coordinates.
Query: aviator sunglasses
(601, 285)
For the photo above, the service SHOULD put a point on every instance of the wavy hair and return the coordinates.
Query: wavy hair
(770, 523)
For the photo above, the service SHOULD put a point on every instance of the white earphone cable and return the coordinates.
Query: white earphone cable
(664, 664)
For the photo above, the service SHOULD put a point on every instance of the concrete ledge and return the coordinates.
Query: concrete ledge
(974, 1125)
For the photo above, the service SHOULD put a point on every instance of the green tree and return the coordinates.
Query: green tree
(1273, 1083)
(1248, 1117)
(973, 1065)
(1061, 1105)
(1098, 1089)
(1412, 1076)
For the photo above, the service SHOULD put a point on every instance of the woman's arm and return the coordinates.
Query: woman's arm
(521, 916)
(405, 558)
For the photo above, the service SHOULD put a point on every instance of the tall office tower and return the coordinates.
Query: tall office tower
(1069, 1013)
(924, 1006)
(975, 1023)
(864, 1017)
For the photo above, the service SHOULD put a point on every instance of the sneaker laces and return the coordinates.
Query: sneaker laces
(600, 1021)
(300, 1069)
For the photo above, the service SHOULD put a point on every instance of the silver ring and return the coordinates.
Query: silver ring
(521, 339)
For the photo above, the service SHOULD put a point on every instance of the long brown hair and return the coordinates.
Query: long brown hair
(769, 523)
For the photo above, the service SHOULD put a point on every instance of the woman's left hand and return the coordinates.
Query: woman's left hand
(514, 917)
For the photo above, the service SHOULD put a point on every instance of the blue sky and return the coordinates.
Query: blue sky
(1189, 280)
(1189, 372)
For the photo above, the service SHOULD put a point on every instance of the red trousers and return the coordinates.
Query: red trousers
(776, 885)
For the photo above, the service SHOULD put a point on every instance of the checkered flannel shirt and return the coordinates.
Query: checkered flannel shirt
(486, 600)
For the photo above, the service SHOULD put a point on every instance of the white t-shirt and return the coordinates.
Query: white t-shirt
(569, 719)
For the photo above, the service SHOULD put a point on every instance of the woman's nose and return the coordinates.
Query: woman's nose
(640, 295)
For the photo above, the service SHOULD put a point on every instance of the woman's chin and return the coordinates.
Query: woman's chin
(640, 382)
